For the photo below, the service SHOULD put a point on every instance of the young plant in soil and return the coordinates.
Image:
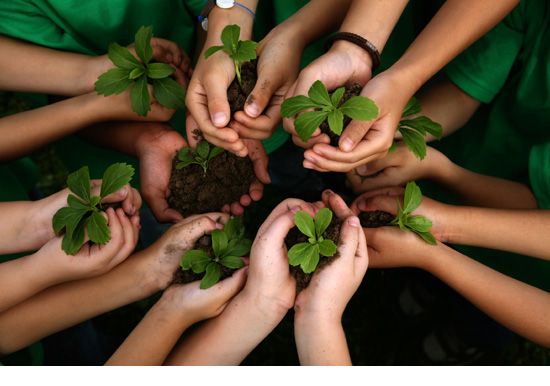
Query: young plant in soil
(306, 255)
(201, 157)
(238, 50)
(327, 108)
(83, 213)
(228, 246)
(138, 73)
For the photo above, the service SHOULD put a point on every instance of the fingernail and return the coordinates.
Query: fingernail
(362, 170)
(252, 109)
(329, 192)
(309, 158)
(346, 144)
(308, 165)
(122, 191)
(219, 226)
(169, 58)
(361, 204)
(133, 209)
(354, 221)
(219, 119)
(296, 209)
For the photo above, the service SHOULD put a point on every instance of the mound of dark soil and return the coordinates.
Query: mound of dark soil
(350, 92)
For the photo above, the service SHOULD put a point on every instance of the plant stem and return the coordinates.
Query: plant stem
(238, 72)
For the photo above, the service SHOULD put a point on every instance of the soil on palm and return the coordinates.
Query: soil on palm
(237, 95)
(350, 92)
(294, 236)
(375, 219)
(204, 243)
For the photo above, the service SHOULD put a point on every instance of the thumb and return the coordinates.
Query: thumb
(260, 96)
(353, 134)
(231, 286)
(383, 203)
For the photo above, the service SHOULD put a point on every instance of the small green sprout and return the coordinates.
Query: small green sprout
(357, 107)
(84, 213)
(418, 224)
(201, 157)
(413, 130)
(228, 245)
(131, 72)
(238, 50)
(307, 254)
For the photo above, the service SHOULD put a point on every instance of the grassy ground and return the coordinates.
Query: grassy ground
(378, 329)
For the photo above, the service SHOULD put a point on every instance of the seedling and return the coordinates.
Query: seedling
(326, 107)
(418, 224)
(83, 212)
(228, 245)
(307, 254)
(201, 157)
(131, 72)
(238, 50)
(413, 130)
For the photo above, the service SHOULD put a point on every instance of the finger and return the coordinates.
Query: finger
(168, 50)
(237, 209)
(289, 205)
(349, 240)
(324, 163)
(267, 122)
(218, 105)
(383, 203)
(362, 253)
(156, 199)
(335, 203)
(238, 147)
(353, 134)
(249, 133)
(187, 234)
(256, 192)
(229, 287)
(129, 239)
(259, 158)
(278, 229)
(245, 200)
(259, 98)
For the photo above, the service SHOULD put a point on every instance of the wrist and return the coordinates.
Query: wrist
(266, 310)
(317, 321)
(361, 58)
(219, 18)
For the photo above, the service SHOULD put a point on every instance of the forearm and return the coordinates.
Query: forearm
(44, 70)
(518, 306)
(67, 304)
(219, 18)
(152, 340)
(519, 231)
(227, 339)
(320, 342)
(455, 26)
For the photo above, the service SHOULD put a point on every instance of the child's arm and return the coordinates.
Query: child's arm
(24, 277)
(179, 308)
(467, 187)
(518, 306)
(145, 273)
(523, 231)
(320, 337)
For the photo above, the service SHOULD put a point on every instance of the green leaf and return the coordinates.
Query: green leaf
(361, 108)
(318, 93)
(77, 203)
(427, 236)
(402, 225)
(169, 93)
(219, 242)
(184, 152)
(246, 51)
(196, 260)
(392, 147)
(311, 259)
(238, 247)
(292, 106)
(159, 70)
(307, 123)
(203, 149)
(136, 73)
(415, 142)
(98, 231)
(66, 218)
(114, 81)
(123, 58)
(337, 96)
(233, 227)
(215, 151)
(233, 262)
(139, 95)
(298, 252)
(212, 50)
(94, 201)
(143, 44)
(79, 183)
(327, 248)
(424, 124)
(335, 121)
(212, 275)
(419, 224)
(304, 222)
(115, 177)
(72, 242)
(413, 107)
(185, 163)
(413, 197)
(230, 37)
(322, 221)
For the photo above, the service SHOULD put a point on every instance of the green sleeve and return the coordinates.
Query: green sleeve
(539, 174)
(482, 69)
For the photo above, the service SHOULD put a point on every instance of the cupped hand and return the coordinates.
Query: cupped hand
(341, 66)
(91, 259)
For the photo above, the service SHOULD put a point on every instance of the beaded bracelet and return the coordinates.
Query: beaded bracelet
(360, 41)
(209, 5)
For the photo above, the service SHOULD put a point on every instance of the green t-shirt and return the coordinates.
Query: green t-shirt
(509, 70)
(539, 174)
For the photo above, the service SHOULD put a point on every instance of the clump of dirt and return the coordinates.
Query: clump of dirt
(350, 92)
(375, 219)
(204, 243)
(295, 236)
(237, 95)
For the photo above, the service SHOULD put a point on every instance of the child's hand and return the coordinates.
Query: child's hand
(397, 168)
(90, 260)
(195, 304)
(385, 199)
(331, 289)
